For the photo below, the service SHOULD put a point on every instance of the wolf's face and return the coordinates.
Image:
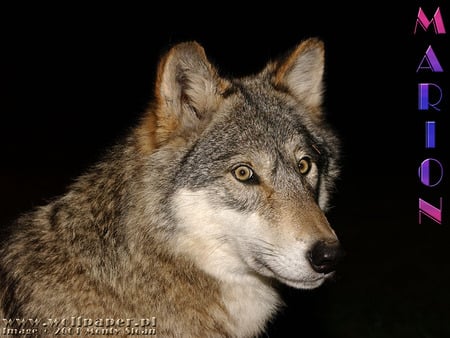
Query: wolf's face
(259, 164)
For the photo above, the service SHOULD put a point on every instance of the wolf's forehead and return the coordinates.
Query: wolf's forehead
(265, 116)
(258, 92)
(257, 99)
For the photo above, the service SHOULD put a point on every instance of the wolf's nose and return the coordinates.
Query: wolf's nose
(324, 256)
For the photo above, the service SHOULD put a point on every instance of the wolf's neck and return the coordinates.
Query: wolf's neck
(251, 303)
(249, 299)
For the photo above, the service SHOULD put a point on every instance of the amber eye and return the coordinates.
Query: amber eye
(304, 165)
(243, 173)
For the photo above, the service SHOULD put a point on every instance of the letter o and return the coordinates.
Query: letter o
(424, 172)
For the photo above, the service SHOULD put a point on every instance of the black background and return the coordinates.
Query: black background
(74, 80)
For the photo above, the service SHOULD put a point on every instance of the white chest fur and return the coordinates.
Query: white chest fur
(250, 305)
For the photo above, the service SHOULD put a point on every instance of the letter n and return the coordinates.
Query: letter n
(429, 210)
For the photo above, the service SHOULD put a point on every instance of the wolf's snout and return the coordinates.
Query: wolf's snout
(324, 256)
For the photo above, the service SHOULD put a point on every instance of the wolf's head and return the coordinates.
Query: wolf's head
(257, 165)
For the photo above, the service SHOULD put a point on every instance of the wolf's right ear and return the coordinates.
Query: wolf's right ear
(188, 91)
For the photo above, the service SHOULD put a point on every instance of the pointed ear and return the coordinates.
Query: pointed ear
(301, 73)
(188, 91)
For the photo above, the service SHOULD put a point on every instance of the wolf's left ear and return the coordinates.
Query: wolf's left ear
(301, 73)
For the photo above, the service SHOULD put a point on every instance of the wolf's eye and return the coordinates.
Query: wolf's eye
(304, 165)
(243, 173)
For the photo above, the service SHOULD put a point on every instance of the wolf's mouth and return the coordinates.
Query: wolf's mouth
(298, 283)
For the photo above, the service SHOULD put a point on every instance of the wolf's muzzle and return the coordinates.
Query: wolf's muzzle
(324, 256)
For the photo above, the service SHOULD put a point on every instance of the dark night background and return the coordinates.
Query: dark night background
(74, 80)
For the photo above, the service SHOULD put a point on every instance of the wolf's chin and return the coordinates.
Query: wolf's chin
(305, 284)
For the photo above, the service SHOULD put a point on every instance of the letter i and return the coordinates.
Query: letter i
(430, 134)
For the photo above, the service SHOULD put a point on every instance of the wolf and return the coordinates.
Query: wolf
(216, 196)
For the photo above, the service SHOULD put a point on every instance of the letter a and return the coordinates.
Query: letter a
(431, 60)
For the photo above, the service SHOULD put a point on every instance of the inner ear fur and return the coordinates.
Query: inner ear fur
(188, 91)
(301, 72)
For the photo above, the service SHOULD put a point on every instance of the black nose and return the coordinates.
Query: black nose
(324, 256)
